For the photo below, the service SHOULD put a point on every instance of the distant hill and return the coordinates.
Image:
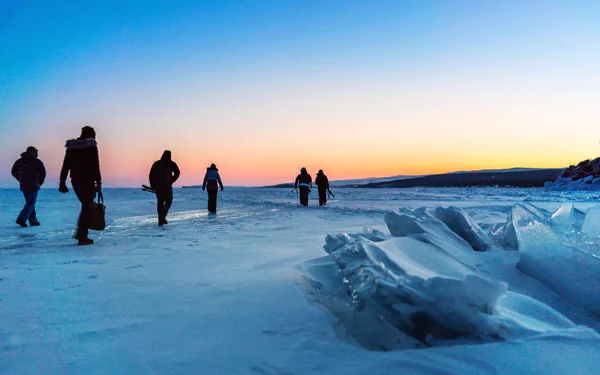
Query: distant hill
(516, 177)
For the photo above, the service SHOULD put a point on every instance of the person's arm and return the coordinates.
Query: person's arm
(310, 182)
(66, 167)
(97, 168)
(150, 175)
(64, 172)
(296, 183)
(176, 172)
(15, 170)
(219, 181)
(42, 173)
(327, 183)
(205, 180)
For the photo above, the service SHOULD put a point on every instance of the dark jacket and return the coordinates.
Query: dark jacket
(164, 172)
(322, 181)
(303, 178)
(30, 172)
(81, 159)
(211, 179)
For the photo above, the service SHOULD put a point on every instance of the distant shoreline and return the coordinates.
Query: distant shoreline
(515, 177)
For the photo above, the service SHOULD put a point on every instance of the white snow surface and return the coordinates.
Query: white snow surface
(415, 281)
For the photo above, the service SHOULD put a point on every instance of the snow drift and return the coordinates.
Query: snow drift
(430, 281)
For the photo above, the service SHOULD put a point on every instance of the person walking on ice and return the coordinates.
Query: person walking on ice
(304, 182)
(82, 162)
(31, 173)
(163, 174)
(212, 180)
(323, 186)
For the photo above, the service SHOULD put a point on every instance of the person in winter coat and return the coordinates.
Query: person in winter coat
(163, 174)
(323, 186)
(304, 182)
(31, 173)
(211, 179)
(82, 162)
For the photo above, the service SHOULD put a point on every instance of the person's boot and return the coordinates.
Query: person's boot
(85, 241)
(35, 224)
(22, 223)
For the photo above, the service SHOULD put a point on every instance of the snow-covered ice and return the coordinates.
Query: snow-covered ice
(418, 281)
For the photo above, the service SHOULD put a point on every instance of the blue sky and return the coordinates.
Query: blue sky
(265, 87)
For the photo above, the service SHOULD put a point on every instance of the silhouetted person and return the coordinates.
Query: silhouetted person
(163, 174)
(31, 173)
(304, 182)
(323, 186)
(211, 184)
(82, 161)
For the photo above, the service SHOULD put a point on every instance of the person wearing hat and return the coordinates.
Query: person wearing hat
(304, 182)
(163, 174)
(211, 179)
(31, 173)
(82, 162)
(322, 183)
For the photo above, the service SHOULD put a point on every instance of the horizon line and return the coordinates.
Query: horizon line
(199, 185)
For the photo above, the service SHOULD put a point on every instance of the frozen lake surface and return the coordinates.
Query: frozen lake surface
(252, 290)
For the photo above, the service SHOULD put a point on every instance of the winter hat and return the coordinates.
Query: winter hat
(166, 155)
(320, 171)
(303, 170)
(32, 150)
(87, 132)
(213, 166)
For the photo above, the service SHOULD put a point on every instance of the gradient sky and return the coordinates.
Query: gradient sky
(262, 88)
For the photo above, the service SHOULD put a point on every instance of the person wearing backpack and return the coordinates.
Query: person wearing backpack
(163, 174)
(82, 163)
(212, 180)
(304, 182)
(31, 173)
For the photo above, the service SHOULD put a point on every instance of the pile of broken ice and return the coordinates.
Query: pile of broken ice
(568, 184)
(434, 279)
